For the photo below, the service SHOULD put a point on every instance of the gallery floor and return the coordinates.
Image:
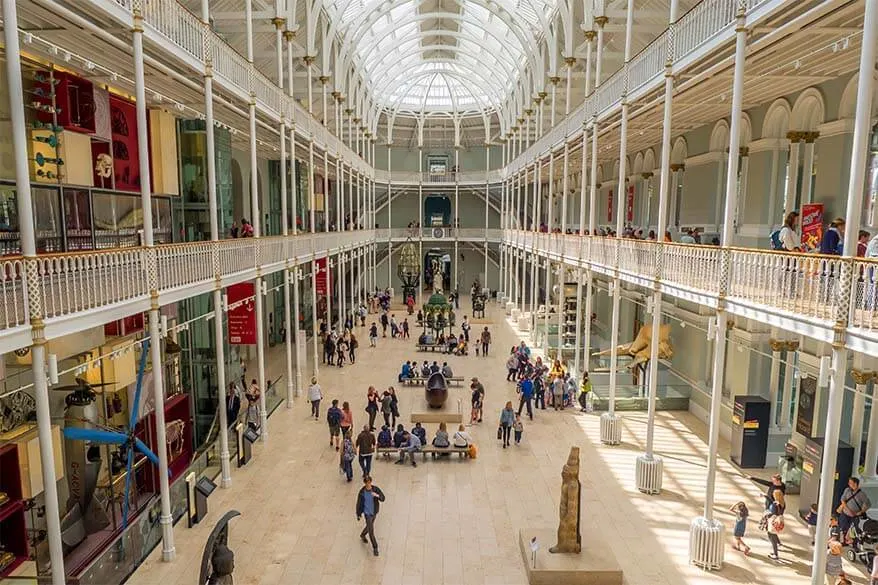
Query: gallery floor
(456, 522)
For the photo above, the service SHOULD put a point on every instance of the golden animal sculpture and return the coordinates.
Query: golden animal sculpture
(639, 348)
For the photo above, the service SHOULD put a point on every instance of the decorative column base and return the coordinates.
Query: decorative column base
(611, 429)
(706, 544)
(509, 306)
(516, 312)
(648, 474)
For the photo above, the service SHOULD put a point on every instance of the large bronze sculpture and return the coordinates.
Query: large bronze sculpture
(569, 537)
(218, 561)
(436, 392)
(638, 349)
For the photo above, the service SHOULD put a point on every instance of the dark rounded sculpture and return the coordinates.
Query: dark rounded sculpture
(437, 390)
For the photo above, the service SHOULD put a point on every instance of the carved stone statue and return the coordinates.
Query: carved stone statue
(437, 277)
(569, 537)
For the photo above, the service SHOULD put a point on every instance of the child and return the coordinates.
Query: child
(811, 519)
(834, 530)
(834, 566)
(385, 439)
(517, 428)
(741, 513)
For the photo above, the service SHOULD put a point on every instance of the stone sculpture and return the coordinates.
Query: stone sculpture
(569, 537)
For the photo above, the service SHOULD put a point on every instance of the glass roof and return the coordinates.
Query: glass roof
(440, 55)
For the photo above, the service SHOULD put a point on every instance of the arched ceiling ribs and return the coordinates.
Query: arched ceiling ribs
(368, 60)
(394, 105)
(387, 72)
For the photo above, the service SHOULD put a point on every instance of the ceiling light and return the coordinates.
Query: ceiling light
(89, 65)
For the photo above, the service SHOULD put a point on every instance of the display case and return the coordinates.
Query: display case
(13, 529)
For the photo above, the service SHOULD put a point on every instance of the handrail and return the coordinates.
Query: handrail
(799, 285)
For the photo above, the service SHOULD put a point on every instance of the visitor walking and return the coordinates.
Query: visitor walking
(333, 419)
(315, 396)
(372, 400)
(558, 386)
(368, 499)
(353, 344)
(384, 323)
(775, 522)
(518, 428)
(347, 456)
(511, 367)
(480, 388)
(507, 418)
(386, 407)
(373, 335)
(486, 341)
(741, 513)
(365, 449)
(526, 391)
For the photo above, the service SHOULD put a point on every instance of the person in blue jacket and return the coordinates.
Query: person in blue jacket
(406, 372)
(833, 238)
(526, 390)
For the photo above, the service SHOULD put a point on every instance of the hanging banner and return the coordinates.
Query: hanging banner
(805, 411)
(610, 206)
(629, 204)
(242, 318)
(322, 277)
(812, 226)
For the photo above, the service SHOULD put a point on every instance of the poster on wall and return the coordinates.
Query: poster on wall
(812, 226)
(610, 206)
(242, 318)
(629, 204)
(805, 411)
(123, 127)
(322, 279)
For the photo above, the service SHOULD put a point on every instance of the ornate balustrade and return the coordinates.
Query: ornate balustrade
(65, 285)
(796, 288)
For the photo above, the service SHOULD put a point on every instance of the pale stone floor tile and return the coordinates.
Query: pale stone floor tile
(452, 522)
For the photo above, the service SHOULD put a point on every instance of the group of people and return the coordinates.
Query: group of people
(843, 530)
(337, 348)
(411, 370)
(397, 330)
(539, 384)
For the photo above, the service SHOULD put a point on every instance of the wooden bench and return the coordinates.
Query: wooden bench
(420, 380)
(462, 452)
(432, 346)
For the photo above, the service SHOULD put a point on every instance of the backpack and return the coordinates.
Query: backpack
(776, 242)
(333, 416)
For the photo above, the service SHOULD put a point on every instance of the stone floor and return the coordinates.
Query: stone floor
(456, 522)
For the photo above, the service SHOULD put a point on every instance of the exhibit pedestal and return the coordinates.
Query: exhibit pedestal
(595, 565)
(450, 413)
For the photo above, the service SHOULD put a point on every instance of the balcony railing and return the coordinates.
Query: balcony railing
(65, 284)
(799, 286)
(413, 177)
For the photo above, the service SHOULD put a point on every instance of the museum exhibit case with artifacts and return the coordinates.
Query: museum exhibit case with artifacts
(85, 172)
(108, 488)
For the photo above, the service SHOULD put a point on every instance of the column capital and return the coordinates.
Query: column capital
(744, 151)
(278, 22)
(590, 35)
(289, 35)
(348, 111)
(791, 345)
(810, 137)
(777, 344)
(648, 175)
(570, 61)
(600, 21)
(336, 95)
(308, 60)
(555, 80)
(863, 376)
(794, 136)
(323, 79)
(678, 167)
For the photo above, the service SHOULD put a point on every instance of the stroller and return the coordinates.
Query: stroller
(864, 538)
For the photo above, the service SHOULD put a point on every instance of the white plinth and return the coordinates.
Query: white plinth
(509, 306)
(516, 313)
(524, 322)
(611, 429)
(648, 474)
(706, 544)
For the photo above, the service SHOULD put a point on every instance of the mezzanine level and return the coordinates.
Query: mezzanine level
(72, 292)
(801, 293)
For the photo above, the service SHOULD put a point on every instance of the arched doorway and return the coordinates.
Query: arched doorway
(444, 259)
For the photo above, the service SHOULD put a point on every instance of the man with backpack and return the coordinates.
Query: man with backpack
(333, 418)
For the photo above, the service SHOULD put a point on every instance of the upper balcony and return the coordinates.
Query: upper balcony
(70, 292)
(803, 293)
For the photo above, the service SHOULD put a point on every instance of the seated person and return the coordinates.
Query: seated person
(399, 436)
(434, 368)
(422, 339)
(420, 317)
(425, 370)
(461, 347)
(441, 440)
(421, 432)
(385, 440)
(406, 372)
(446, 370)
(451, 342)
(411, 446)
(462, 438)
(441, 341)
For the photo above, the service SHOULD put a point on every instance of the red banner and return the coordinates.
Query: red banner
(812, 226)
(610, 206)
(322, 277)
(629, 205)
(242, 318)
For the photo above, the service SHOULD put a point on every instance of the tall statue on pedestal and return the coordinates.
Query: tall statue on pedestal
(569, 537)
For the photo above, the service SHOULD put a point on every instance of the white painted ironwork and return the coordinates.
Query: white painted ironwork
(648, 474)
